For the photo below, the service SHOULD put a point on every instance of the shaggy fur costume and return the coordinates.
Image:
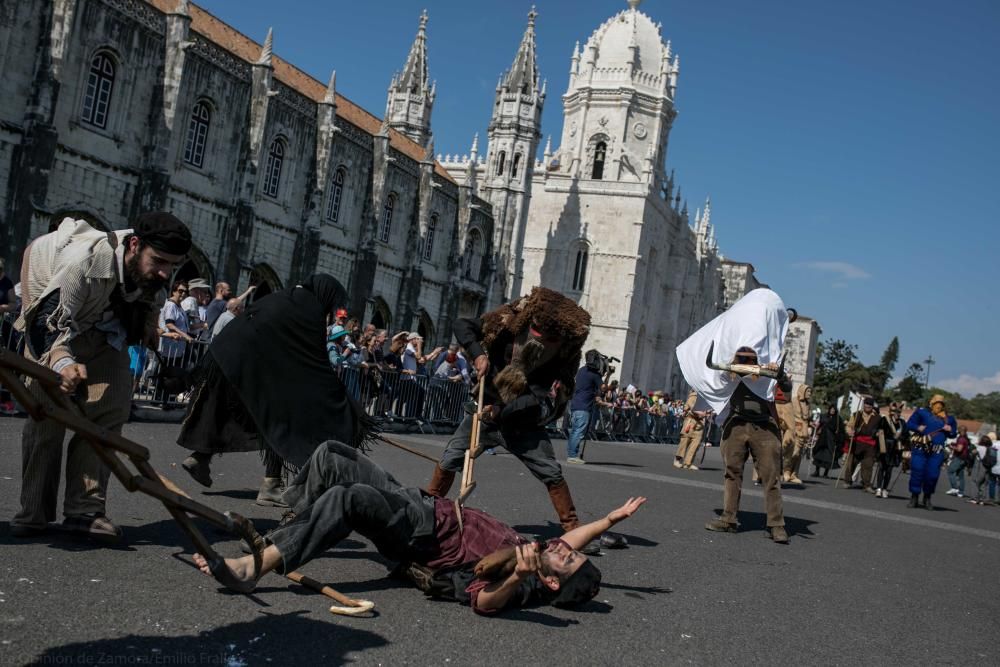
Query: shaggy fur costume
(553, 314)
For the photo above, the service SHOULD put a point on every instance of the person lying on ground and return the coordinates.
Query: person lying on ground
(486, 564)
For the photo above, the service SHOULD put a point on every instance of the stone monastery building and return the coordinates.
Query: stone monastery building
(113, 107)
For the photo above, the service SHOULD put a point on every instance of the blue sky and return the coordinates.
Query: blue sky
(850, 148)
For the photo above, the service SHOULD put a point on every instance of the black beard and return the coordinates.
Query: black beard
(134, 278)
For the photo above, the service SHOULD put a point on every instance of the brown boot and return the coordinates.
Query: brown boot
(441, 482)
(563, 502)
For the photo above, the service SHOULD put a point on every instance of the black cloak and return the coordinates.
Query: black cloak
(267, 377)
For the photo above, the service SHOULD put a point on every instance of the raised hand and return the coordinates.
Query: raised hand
(626, 510)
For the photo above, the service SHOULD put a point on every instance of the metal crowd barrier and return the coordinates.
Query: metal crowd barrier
(397, 400)
(617, 424)
(164, 377)
(10, 339)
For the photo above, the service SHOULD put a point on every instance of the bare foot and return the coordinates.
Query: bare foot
(241, 569)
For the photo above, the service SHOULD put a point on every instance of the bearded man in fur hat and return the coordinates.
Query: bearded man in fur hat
(527, 352)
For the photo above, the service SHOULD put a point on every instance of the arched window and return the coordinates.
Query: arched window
(473, 254)
(514, 167)
(580, 269)
(386, 227)
(429, 242)
(336, 194)
(97, 98)
(501, 162)
(272, 171)
(600, 151)
(194, 146)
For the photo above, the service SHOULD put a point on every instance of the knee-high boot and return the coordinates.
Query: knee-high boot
(441, 482)
(562, 501)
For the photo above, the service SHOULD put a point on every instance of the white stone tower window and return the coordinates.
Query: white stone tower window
(272, 172)
(194, 146)
(501, 162)
(600, 152)
(336, 195)
(100, 84)
(514, 167)
(429, 242)
(580, 269)
(473, 254)
(385, 229)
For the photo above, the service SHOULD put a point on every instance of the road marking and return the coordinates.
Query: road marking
(821, 504)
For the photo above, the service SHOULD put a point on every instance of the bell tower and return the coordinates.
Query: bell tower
(513, 134)
(411, 93)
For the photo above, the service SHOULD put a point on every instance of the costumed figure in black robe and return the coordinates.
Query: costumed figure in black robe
(266, 384)
(528, 351)
(827, 448)
(894, 441)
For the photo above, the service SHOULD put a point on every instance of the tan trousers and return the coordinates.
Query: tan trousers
(108, 398)
(742, 439)
(791, 452)
(689, 444)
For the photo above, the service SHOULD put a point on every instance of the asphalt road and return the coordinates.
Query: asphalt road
(863, 581)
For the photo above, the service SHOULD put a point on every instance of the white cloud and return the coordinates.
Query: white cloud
(844, 270)
(970, 385)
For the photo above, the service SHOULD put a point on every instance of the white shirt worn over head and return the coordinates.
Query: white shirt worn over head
(759, 321)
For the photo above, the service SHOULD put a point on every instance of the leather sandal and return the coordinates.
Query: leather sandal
(94, 526)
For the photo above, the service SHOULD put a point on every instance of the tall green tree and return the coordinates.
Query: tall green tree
(910, 388)
(890, 356)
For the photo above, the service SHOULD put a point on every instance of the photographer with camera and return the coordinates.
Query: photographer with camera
(589, 380)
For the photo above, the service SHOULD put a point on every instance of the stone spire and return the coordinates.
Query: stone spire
(415, 76)
(331, 90)
(268, 50)
(548, 148)
(523, 74)
(411, 92)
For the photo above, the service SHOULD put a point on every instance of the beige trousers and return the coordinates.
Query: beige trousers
(105, 400)
(740, 440)
(689, 444)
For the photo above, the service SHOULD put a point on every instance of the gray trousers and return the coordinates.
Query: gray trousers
(340, 491)
(107, 402)
(532, 448)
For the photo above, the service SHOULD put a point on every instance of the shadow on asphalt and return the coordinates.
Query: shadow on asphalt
(316, 642)
(635, 590)
(542, 618)
(555, 530)
(751, 521)
(237, 494)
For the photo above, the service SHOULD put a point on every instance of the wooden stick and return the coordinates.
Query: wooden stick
(347, 607)
(406, 448)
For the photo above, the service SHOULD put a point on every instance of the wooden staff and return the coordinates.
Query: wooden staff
(468, 483)
(107, 445)
(347, 607)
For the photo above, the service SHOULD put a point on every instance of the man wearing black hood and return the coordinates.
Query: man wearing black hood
(483, 562)
(88, 295)
(266, 385)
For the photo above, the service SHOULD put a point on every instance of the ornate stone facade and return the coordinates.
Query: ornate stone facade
(116, 106)
(599, 217)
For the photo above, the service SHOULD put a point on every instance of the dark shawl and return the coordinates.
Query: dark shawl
(274, 359)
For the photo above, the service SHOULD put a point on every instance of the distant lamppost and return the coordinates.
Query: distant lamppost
(929, 361)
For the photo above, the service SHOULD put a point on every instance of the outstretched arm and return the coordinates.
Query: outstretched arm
(582, 535)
